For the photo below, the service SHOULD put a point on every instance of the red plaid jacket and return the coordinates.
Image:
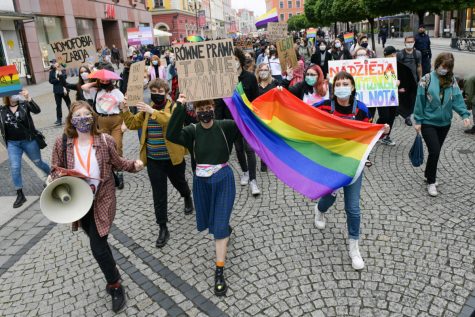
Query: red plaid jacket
(106, 154)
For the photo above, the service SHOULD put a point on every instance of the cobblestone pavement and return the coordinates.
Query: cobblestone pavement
(419, 251)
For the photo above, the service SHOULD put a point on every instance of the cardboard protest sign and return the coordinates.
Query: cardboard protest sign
(74, 51)
(376, 79)
(286, 52)
(276, 31)
(135, 84)
(206, 70)
(9, 81)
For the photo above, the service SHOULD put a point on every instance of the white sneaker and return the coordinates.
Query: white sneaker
(356, 260)
(245, 179)
(254, 189)
(432, 189)
(319, 218)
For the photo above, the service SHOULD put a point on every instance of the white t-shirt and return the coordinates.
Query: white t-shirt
(107, 102)
(94, 171)
(274, 64)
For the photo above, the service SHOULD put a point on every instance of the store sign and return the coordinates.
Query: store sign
(140, 36)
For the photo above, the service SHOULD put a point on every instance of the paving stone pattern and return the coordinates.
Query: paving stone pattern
(419, 251)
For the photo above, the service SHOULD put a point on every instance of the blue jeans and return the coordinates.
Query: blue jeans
(15, 153)
(352, 206)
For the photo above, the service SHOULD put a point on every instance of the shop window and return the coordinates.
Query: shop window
(86, 27)
(48, 30)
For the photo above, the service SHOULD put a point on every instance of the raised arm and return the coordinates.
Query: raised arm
(176, 133)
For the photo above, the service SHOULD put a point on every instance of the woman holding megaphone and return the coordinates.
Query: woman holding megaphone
(87, 151)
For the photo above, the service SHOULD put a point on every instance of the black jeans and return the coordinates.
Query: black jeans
(158, 171)
(434, 137)
(100, 249)
(59, 99)
(387, 115)
(246, 157)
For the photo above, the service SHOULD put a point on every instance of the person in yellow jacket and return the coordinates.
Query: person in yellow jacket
(163, 158)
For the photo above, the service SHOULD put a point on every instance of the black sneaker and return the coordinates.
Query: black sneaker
(163, 237)
(470, 131)
(20, 199)
(408, 121)
(220, 287)
(118, 297)
(387, 141)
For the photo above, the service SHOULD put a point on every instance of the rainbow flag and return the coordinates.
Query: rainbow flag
(9, 81)
(269, 16)
(311, 33)
(348, 37)
(311, 151)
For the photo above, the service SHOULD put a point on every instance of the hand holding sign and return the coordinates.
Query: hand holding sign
(143, 107)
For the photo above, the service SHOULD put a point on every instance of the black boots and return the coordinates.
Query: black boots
(188, 205)
(163, 236)
(118, 297)
(20, 199)
(220, 287)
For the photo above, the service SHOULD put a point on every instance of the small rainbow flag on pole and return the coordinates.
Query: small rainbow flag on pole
(348, 37)
(9, 81)
(311, 151)
(269, 16)
(311, 33)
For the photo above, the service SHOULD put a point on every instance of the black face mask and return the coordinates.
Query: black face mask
(158, 100)
(365, 45)
(104, 86)
(205, 116)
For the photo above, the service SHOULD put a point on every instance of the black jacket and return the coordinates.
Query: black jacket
(249, 85)
(58, 82)
(125, 80)
(317, 58)
(76, 87)
(24, 109)
(300, 89)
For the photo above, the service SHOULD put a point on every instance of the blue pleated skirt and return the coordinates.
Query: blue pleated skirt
(214, 199)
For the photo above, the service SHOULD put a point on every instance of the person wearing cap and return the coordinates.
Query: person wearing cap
(422, 44)
(57, 77)
(17, 128)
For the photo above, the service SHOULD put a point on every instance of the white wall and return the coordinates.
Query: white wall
(6, 5)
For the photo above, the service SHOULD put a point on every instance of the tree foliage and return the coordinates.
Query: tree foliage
(298, 22)
(318, 12)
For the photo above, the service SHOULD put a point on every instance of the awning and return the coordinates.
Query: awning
(11, 15)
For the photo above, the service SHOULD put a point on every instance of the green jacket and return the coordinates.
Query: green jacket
(429, 108)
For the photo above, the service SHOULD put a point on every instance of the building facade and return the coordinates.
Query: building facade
(286, 8)
(105, 20)
(12, 51)
(247, 21)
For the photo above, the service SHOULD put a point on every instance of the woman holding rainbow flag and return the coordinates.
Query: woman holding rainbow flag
(344, 105)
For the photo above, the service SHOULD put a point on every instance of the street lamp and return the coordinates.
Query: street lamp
(195, 5)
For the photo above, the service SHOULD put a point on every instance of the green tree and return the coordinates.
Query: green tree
(297, 22)
(318, 12)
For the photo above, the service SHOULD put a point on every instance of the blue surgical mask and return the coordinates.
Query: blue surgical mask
(343, 92)
(155, 62)
(311, 80)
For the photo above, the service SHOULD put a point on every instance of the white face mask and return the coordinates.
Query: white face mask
(337, 44)
(410, 46)
(322, 48)
(362, 57)
(442, 71)
(264, 74)
(84, 76)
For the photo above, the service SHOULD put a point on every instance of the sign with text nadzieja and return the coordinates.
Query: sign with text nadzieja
(206, 70)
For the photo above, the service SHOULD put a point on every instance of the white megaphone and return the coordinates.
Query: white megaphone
(66, 199)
